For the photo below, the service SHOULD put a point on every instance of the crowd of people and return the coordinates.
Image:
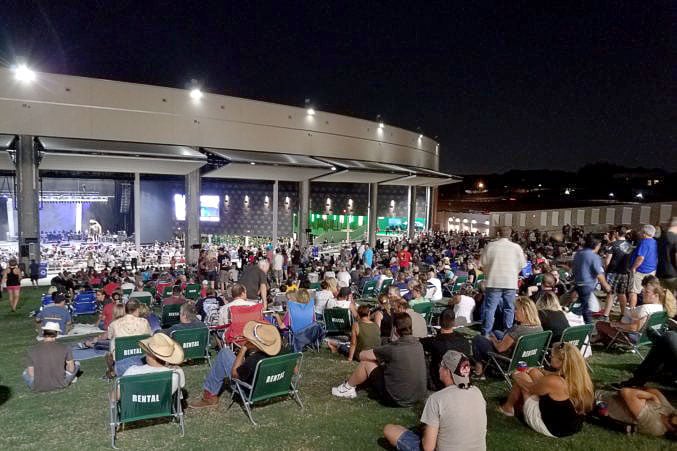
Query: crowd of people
(510, 287)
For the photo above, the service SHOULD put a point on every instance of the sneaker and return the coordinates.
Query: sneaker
(343, 391)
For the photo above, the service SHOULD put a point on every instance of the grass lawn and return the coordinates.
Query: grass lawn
(77, 418)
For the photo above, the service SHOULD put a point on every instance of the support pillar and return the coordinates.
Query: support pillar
(304, 210)
(434, 203)
(276, 187)
(137, 211)
(28, 199)
(192, 216)
(411, 221)
(427, 209)
(373, 207)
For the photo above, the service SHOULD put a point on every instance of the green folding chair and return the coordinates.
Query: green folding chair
(152, 291)
(385, 285)
(167, 291)
(656, 321)
(529, 348)
(538, 280)
(170, 315)
(192, 291)
(128, 347)
(369, 289)
(195, 343)
(315, 286)
(145, 298)
(142, 397)
(578, 336)
(338, 321)
(273, 377)
(425, 309)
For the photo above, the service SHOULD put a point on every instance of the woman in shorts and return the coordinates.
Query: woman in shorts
(11, 278)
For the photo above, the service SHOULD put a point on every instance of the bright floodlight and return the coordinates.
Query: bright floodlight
(420, 136)
(333, 168)
(195, 94)
(567, 191)
(23, 74)
(310, 111)
(611, 194)
(480, 185)
(381, 125)
(639, 196)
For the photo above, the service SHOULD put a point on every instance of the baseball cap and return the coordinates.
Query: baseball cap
(459, 365)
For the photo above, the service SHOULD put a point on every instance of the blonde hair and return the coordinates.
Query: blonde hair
(333, 284)
(576, 376)
(302, 296)
(144, 311)
(118, 311)
(666, 298)
(548, 301)
(529, 311)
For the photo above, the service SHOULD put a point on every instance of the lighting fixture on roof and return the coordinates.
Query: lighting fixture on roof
(420, 136)
(23, 73)
(639, 196)
(310, 111)
(381, 125)
(611, 194)
(252, 163)
(567, 191)
(196, 94)
(333, 168)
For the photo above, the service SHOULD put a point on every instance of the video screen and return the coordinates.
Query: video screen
(209, 208)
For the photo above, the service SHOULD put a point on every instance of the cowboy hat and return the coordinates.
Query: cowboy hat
(163, 348)
(264, 336)
(52, 325)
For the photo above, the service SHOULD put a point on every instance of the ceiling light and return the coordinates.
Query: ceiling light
(23, 74)
(333, 168)
(196, 94)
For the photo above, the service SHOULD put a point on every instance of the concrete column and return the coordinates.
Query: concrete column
(10, 218)
(427, 208)
(373, 208)
(28, 198)
(411, 229)
(192, 216)
(276, 186)
(137, 211)
(304, 210)
(434, 206)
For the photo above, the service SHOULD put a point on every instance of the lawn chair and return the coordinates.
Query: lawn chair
(385, 285)
(579, 336)
(167, 291)
(170, 315)
(85, 304)
(128, 347)
(425, 309)
(127, 291)
(142, 397)
(368, 290)
(655, 321)
(303, 329)
(273, 377)
(145, 298)
(192, 291)
(338, 321)
(529, 348)
(239, 316)
(195, 343)
(315, 286)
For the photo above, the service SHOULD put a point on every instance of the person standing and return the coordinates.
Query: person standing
(404, 258)
(618, 271)
(588, 270)
(11, 278)
(501, 260)
(644, 261)
(368, 256)
(667, 257)
(255, 280)
(34, 270)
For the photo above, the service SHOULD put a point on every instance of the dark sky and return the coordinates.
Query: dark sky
(503, 87)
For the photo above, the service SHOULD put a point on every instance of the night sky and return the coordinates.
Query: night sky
(525, 86)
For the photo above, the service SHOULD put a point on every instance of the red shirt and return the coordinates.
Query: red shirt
(404, 258)
(110, 288)
(107, 314)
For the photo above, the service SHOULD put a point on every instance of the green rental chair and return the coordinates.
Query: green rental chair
(142, 397)
(369, 289)
(128, 346)
(529, 348)
(195, 343)
(386, 285)
(578, 336)
(425, 309)
(170, 315)
(273, 377)
(167, 291)
(655, 321)
(145, 298)
(315, 286)
(192, 291)
(127, 291)
(337, 321)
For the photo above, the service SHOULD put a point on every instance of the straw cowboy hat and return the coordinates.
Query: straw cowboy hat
(163, 348)
(264, 336)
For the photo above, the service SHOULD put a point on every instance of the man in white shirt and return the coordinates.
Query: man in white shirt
(463, 307)
(343, 277)
(344, 299)
(501, 261)
(239, 293)
(455, 417)
(278, 267)
(433, 287)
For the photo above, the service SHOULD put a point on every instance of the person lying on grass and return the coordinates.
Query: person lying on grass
(553, 404)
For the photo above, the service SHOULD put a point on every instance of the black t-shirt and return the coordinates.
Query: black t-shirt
(437, 346)
(667, 264)
(620, 257)
(252, 278)
(555, 321)
(246, 371)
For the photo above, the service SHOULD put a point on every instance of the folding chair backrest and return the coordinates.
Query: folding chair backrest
(146, 298)
(85, 296)
(531, 349)
(192, 291)
(127, 291)
(656, 322)
(385, 285)
(241, 315)
(128, 346)
(538, 280)
(368, 289)
(194, 342)
(300, 315)
(425, 309)
(315, 286)
(167, 291)
(461, 280)
(273, 376)
(576, 335)
(145, 396)
(170, 314)
(337, 320)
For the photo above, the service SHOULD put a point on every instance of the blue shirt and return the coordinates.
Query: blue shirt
(649, 250)
(368, 256)
(57, 314)
(586, 267)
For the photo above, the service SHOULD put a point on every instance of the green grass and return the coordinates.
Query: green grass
(77, 418)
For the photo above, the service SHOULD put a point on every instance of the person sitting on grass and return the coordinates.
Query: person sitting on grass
(653, 412)
(365, 335)
(656, 299)
(382, 316)
(437, 346)
(553, 404)
(50, 365)
(503, 342)
(395, 372)
(463, 305)
(56, 312)
(161, 354)
(262, 340)
(455, 418)
(150, 316)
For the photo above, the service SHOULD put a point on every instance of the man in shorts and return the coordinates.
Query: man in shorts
(617, 268)
(644, 261)
(454, 417)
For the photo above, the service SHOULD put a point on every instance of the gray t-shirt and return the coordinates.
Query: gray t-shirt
(460, 416)
(404, 369)
(48, 360)
(252, 278)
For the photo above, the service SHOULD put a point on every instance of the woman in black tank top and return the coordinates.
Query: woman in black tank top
(382, 316)
(11, 278)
